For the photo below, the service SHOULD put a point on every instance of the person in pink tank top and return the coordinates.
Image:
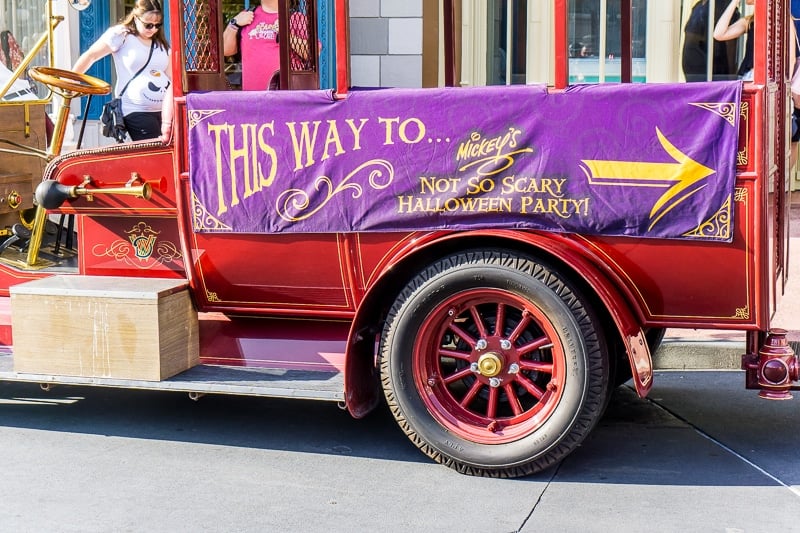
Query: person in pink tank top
(256, 35)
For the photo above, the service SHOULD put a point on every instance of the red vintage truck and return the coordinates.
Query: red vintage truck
(490, 262)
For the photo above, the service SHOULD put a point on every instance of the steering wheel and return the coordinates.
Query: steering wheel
(79, 84)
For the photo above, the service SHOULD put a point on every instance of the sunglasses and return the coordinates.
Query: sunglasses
(150, 25)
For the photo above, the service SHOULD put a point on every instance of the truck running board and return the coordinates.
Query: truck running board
(144, 333)
(210, 379)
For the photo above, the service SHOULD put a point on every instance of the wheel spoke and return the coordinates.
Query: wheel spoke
(541, 342)
(454, 354)
(491, 407)
(466, 337)
(461, 374)
(476, 387)
(476, 317)
(530, 386)
(536, 366)
(523, 324)
(501, 318)
(513, 401)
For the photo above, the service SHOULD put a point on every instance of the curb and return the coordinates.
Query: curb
(681, 353)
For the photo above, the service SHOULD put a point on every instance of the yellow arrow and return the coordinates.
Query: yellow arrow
(680, 176)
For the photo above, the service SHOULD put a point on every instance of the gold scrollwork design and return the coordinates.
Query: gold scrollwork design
(741, 158)
(212, 296)
(299, 201)
(726, 110)
(744, 119)
(716, 227)
(196, 116)
(202, 219)
(742, 313)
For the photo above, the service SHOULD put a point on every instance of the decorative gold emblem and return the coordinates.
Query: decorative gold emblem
(142, 250)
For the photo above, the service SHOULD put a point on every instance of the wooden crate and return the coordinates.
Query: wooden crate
(110, 327)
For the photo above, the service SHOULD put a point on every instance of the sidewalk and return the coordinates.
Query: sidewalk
(687, 349)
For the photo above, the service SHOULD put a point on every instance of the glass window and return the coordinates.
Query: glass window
(21, 26)
(696, 45)
(506, 38)
(594, 58)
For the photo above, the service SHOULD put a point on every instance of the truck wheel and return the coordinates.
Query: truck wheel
(493, 364)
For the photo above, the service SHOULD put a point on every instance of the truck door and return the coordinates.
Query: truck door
(265, 271)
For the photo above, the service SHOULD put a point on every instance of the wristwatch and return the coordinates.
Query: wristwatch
(233, 23)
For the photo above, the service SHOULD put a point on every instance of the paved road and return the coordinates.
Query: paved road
(702, 454)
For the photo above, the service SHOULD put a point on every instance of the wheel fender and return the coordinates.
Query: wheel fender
(362, 391)
(613, 293)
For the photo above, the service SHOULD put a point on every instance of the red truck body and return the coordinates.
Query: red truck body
(495, 348)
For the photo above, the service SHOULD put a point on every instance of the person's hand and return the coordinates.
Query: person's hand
(244, 18)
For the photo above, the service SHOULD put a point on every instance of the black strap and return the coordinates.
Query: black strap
(152, 46)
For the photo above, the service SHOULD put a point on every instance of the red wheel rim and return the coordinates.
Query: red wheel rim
(489, 366)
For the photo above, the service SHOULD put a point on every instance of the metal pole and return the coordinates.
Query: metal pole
(712, 21)
(560, 46)
(626, 39)
(449, 43)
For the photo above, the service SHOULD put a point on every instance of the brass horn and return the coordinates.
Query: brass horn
(51, 194)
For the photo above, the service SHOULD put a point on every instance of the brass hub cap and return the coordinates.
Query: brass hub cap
(490, 364)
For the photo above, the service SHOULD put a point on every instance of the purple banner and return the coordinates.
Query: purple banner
(654, 160)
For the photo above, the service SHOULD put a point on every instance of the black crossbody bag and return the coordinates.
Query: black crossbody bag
(111, 116)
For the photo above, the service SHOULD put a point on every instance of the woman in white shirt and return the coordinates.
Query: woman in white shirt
(138, 42)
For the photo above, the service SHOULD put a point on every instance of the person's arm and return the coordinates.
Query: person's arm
(97, 51)
(167, 107)
(166, 116)
(724, 30)
(230, 36)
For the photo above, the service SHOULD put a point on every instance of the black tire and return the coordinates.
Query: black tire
(528, 418)
(654, 337)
